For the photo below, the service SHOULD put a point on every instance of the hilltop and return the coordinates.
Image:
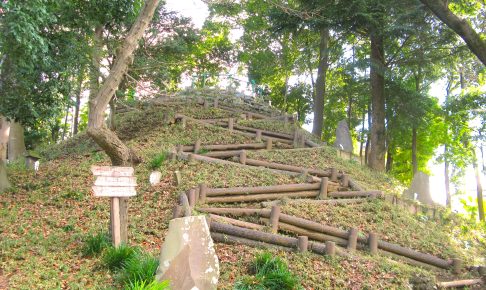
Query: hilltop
(46, 217)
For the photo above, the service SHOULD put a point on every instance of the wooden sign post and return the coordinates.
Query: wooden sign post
(114, 182)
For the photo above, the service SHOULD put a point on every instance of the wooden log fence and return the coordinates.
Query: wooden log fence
(323, 233)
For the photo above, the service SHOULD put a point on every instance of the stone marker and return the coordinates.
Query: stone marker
(343, 137)
(155, 177)
(188, 259)
(419, 189)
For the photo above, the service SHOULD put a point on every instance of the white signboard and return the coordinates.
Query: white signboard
(112, 181)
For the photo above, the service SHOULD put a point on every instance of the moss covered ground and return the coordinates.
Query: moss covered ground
(45, 218)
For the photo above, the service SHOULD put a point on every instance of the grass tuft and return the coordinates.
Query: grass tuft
(115, 258)
(157, 161)
(139, 268)
(143, 285)
(270, 272)
(95, 244)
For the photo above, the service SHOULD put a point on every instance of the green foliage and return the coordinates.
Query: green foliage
(140, 267)
(116, 257)
(95, 244)
(144, 285)
(270, 272)
(157, 160)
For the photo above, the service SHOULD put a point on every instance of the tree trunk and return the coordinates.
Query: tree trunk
(4, 133)
(111, 119)
(368, 136)
(460, 26)
(64, 128)
(389, 159)
(414, 151)
(16, 142)
(362, 136)
(446, 179)
(4, 183)
(321, 82)
(479, 187)
(377, 70)
(94, 70)
(118, 152)
(78, 101)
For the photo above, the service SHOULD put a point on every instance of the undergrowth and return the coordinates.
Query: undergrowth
(268, 272)
(95, 244)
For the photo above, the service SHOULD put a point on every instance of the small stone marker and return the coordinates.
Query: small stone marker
(343, 137)
(114, 182)
(188, 259)
(155, 177)
(177, 177)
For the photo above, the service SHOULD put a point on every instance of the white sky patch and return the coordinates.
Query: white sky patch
(195, 9)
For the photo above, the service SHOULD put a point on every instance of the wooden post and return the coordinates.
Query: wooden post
(176, 213)
(334, 174)
(243, 157)
(216, 102)
(249, 116)
(258, 135)
(206, 104)
(352, 239)
(269, 144)
(302, 244)
(323, 188)
(345, 181)
(231, 123)
(203, 189)
(180, 148)
(191, 196)
(373, 243)
(274, 217)
(456, 265)
(177, 177)
(197, 146)
(190, 157)
(115, 225)
(172, 156)
(330, 248)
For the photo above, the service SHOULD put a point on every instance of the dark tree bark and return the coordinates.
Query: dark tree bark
(4, 134)
(368, 136)
(78, 101)
(376, 158)
(414, 151)
(321, 82)
(94, 69)
(361, 143)
(389, 159)
(64, 127)
(16, 142)
(460, 26)
(118, 152)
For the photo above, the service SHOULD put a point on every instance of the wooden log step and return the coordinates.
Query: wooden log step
(223, 154)
(460, 283)
(261, 197)
(347, 194)
(265, 132)
(311, 234)
(235, 211)
(230, 239)
(253, 235)
(281, 166)
(263, 189)
(235, 222)
(313, 226)
(225, 147)
(317, 201)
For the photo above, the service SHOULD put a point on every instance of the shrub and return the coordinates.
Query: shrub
(157, 161)
(143, 285)
(95, 244)
(270, 272)
(116, 257)
(139, 268)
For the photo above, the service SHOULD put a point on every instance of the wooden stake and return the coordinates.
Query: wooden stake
(373, 243)
(115, 230)
(456, 265)
(258, 135)
(231, 123)
(334, 174)
(269, 144)
(345, 181)
(302, 244)
(203, 189)
(330, 248)
(243, 157)
(352, 239)
(197, 146)
(191, 196)
(274, 217)
(323, 189)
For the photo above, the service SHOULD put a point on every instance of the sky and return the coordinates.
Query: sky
(197, 10)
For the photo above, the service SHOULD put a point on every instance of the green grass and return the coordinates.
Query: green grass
(157, 160)
(140, 268)
(116, 257)
(94, 244)
(143, 285)
(269, 272)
